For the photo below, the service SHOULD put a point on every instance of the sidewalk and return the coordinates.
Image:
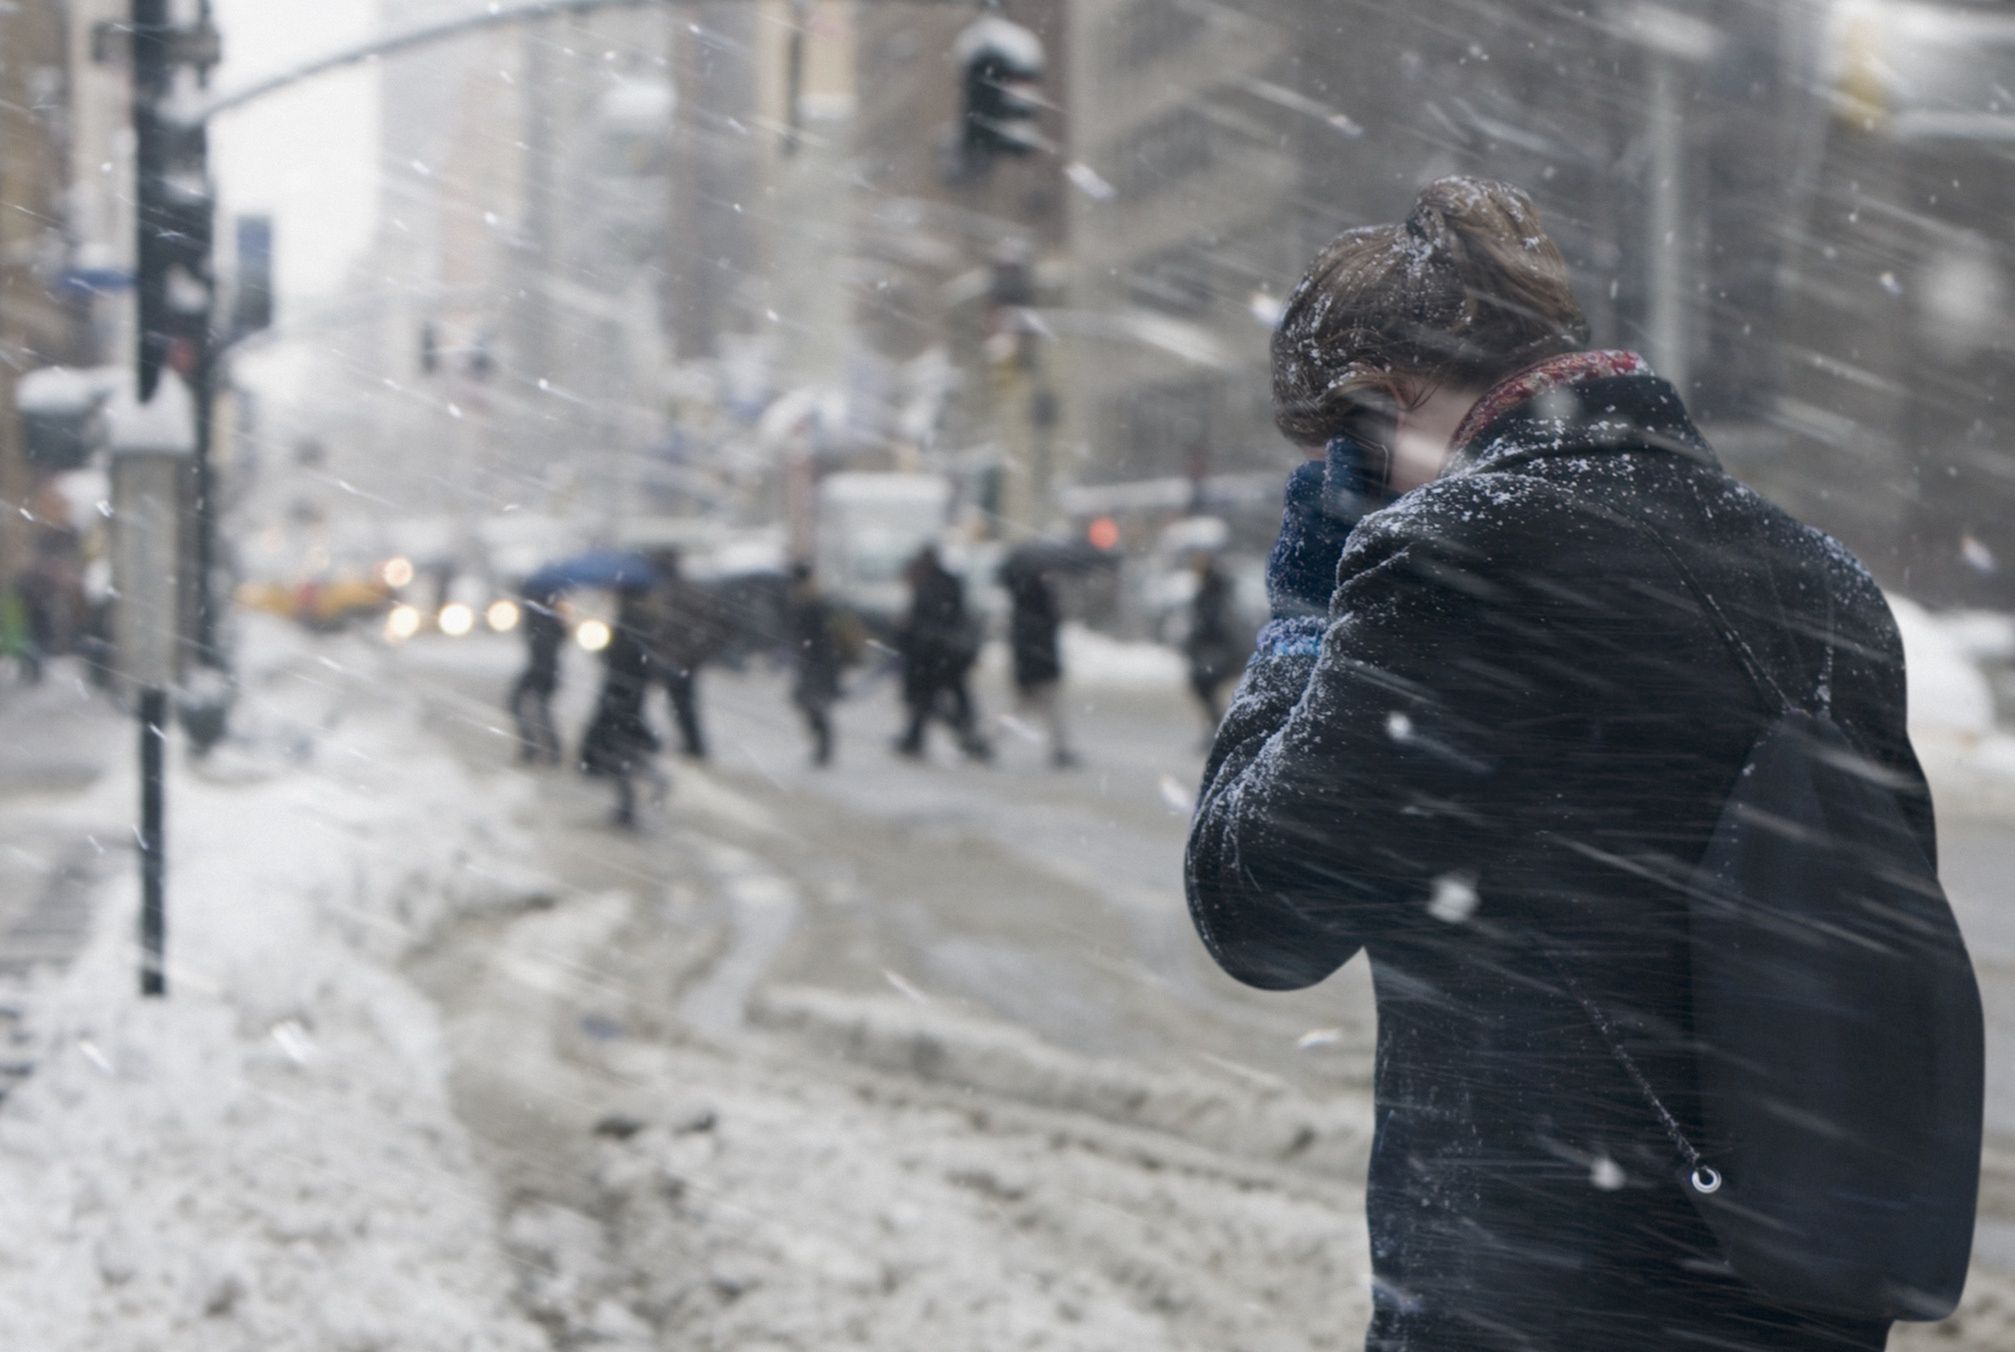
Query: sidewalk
(59, 737)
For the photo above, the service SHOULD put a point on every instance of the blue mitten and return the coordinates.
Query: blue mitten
(1325, 500)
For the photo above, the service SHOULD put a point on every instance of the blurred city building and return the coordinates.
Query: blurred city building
(1815, 273)
(64, 246)
(680, 258)
(1897, 355)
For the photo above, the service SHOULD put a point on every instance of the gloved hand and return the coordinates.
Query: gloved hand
(1325, 499)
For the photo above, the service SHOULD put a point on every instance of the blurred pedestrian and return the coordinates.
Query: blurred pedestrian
(1035, 622)
(619, 745)
(15, 641)
(817, 656)
(687, 637)
(1487, 741)
(50, 593)
(939, 645)
(531, 701)
(33, 623)
(1213, 644)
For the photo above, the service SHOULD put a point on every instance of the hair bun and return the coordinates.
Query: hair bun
(1430, 225)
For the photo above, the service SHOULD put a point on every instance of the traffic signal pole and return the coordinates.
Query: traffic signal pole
(174, 282)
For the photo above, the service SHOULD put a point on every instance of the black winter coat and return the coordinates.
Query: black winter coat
(815, 651)
(1034, 624)
(937, 641)
(620, 738)
(1517, 728)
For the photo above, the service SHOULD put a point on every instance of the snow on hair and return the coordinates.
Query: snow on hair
(1468, 288)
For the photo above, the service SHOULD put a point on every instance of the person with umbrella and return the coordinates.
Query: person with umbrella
(545, 628)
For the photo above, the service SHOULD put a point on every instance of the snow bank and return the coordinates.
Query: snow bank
(1948, 694)
(1970, 763)
(267, 1159)
(1092, 658)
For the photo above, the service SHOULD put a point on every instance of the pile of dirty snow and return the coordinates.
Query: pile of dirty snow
(266, 1159)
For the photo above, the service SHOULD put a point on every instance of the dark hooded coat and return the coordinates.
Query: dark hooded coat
(937, 640)
(1495, 761)
(1035, 623)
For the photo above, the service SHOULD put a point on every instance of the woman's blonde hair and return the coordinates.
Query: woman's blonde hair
(1467, 290)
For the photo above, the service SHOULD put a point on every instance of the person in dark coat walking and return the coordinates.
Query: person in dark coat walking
(620, 744)
(531, 700)
(1035, 623)
(1212, 645)
(1484, 740)
(687, 637)
(939, 646)
(817, 656)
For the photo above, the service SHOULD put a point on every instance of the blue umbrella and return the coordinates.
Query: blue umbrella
(610, 568)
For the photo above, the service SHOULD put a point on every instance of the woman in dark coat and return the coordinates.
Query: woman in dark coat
(619, 744)
(939, 645)
(1035, 652)
(1484, 741)
(1212, 645)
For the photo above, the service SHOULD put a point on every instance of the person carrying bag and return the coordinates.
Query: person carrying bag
(1602, 761)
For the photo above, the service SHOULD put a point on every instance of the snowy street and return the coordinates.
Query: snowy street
(887, 1055)
(979, 983)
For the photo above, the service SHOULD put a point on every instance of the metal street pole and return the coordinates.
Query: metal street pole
(153, 75)
(153, 842)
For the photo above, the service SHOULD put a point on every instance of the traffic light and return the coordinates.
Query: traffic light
(1001, 66)
(252, 306)
(174, 283)
(174, 207)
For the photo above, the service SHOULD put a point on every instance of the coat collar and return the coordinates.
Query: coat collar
(1575, 404)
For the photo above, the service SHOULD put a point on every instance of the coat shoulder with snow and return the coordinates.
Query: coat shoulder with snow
(1517, 725)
